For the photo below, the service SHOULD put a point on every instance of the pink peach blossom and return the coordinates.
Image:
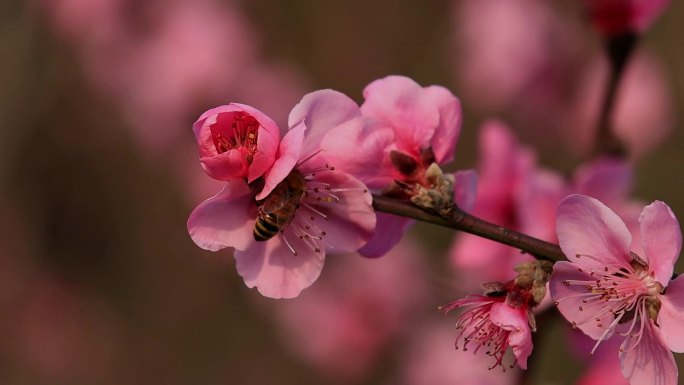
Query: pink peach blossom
(236, 141)
(408, 128)
(333, 211)
(607, 289)
(494, 325)
(616, 17)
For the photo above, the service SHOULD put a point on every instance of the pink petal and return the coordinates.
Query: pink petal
(661, 239)
(536, 202)
(321, 111)
(225, 220)
(481, 260)
(275, 271)
(388, 232)
(465, 189)
(400, 103)
(286, 159)
(354, 145)
(268, 139)
(650, 362)
(450, 119)
(671, 315)
(515, 321)
(230, 165)
(606, 179)
(505, 168)
(587, 227)
(570, 301)
(351, 220)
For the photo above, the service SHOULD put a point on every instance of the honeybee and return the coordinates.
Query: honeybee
(278, 208)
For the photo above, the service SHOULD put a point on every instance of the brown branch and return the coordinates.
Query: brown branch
(619, 49)
(460, 220)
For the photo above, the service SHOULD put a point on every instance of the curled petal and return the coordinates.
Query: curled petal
(661, 239)
(225, 220)
(515, 321)
(234, 163)
(275, 270)
(388, 232)
(648, 360)
(671, 315)
(587, 228)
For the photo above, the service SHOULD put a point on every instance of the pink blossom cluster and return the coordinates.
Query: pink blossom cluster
(286, 201)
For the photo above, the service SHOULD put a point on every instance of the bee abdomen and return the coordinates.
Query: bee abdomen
(266, 227)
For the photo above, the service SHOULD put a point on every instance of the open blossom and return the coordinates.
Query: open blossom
(409, 128)
(615, 17)
(493, 325)
(609, 288)
(236, 141)
(503, 316)
(283, 223)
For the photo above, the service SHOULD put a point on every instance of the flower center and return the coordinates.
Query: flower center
(233, 130)
(618, 295)
(311, 207)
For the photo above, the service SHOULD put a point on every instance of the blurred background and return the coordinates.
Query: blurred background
(99, 280)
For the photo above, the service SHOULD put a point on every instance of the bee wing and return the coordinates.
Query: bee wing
(277, 200)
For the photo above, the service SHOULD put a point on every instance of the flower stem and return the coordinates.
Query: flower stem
(458, 219)
(619, 49)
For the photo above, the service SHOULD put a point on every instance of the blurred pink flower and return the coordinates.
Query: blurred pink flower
(643, 115)
(343, 329)
(63, 335)
(616, 17)
(430, 359)
(493, 324)
(512, 52)
(607, 287)
(322, 208)
(513, 192)
(169, 59)
(236, 141)
(410, 127)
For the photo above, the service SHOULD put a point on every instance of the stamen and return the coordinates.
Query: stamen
(288, 245)
(310, 207)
